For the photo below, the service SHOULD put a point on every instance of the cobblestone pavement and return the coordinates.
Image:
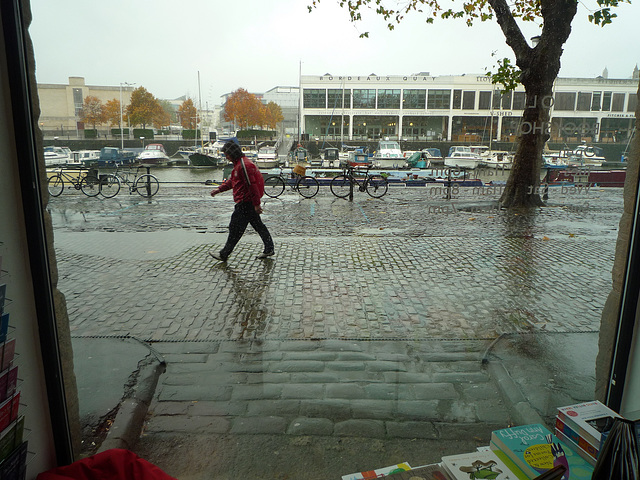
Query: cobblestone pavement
(369, 324)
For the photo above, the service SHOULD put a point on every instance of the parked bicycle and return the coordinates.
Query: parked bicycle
(305, 185)
(375, 184)
(145, 184)
(84, 181)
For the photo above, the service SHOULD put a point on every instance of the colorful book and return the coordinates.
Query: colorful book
(580, 442)
(3, 296)
(378, 473)
(8, 382)
(9, 410)
(427, 472)
(535, 450)
(476, 465)
(590, 419)
(4, 327)
(8, 352)
(11, 437)
(575, 447)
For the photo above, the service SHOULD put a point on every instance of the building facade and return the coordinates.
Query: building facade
(462, 108)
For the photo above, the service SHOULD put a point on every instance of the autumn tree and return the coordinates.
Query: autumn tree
(537, 65)
(161, 115)
(187, 113)
(143, 107)
(273, 115)
(92, 112)
(243, 109)
(112, 112)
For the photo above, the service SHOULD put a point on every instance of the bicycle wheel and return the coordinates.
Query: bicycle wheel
(377, 185)
(307, 186)
(90, 185)
(109, 186)
(340, 186)
(273, 186)
(55, 185)
(146, 185)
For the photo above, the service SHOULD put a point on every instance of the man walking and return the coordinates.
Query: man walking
(248, 187)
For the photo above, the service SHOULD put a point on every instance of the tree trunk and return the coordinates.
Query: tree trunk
(540, 66)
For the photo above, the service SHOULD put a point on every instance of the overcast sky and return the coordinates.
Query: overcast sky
(166, 45)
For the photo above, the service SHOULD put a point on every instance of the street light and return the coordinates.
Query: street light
(121, 126)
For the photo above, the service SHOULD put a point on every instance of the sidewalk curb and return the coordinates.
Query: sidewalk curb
(127, 425)
(519, 408)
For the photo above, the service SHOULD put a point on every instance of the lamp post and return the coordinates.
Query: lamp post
(121, 126)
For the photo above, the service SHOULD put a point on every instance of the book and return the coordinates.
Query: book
(476, 465)
(8, 352)
(4, 327)
(590, 419)
(575, 447)
(378, 473)
(8, 382)
(9, 410)
(14, 466)
(3, 296)
(581, 442)
(426, 472)
(11, 437)
(535, 450)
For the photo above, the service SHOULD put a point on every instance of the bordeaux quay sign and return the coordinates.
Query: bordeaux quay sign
(392, 78)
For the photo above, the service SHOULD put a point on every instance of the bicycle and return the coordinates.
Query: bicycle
(375, 185)
(305, 185)
(87, 183)
(146, 185)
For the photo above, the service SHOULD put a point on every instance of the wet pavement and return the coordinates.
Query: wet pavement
(371, 322)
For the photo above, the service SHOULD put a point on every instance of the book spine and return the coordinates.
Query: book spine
(567, 420)
(575, 447)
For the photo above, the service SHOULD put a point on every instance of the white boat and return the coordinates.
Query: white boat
(462, 157)
(388, 155)
(497, 159)
(153, 154)
(267, 157)
(586, 156)
(85, 157)
(56, 156)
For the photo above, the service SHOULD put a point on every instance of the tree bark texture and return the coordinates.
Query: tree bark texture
(540, 66)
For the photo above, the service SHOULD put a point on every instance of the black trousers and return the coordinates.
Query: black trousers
(243, 215)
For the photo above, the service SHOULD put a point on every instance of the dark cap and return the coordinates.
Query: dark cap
(232, 149)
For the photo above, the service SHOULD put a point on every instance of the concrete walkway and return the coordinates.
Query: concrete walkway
(386, 321)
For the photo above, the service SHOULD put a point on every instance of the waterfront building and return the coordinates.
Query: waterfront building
(460, 108)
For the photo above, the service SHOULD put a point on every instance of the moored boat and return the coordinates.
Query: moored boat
(388, 155)
(153, 154)
(267, 157)
(462, 157)
(57, 156)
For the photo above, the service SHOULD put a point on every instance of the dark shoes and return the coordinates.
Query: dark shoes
(266, 255)
(218, 257)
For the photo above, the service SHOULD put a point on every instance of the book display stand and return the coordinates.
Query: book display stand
(13, 446)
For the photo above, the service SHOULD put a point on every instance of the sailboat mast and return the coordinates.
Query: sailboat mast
(200, 109)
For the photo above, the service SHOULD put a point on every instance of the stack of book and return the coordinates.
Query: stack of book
(535, 450)
(13, 451)
(584, 427)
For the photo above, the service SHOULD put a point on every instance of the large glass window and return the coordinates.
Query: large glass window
(496, 101)
(457, 100)
(606, 101)
(335, 98)
(518, 100)
(439, 99)
(565, 101)
(416, 99)
(468, 100)
(632, 103)
(584, 101)
(595, 102)
(314, 98)
(388, 98)
(484, 101)
(364, 98)
(617, 103)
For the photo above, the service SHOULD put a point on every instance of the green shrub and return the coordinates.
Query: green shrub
(90, 133)
(116, 132)
(190, 134)
(143, 132)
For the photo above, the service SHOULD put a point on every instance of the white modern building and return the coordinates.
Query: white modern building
(460, 108)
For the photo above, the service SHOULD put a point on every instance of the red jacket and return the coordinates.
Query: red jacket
(244, 191)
